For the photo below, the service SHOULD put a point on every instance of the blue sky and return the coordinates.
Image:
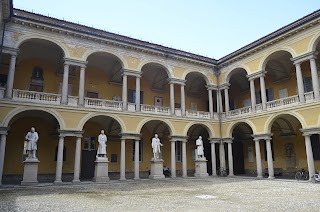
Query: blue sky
(212, 28)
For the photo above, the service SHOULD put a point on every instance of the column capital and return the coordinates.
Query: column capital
(310, 131)
(177, 81)
(70, 133)
(224, 86)
(212, 87)
(133, 136)
(129, 72)
(4, 130)
(175, 138)
(304, 57)
(11, 51)
(228, 140)
(256, 75)
(266, 136)
(74, 62)
(214, 140)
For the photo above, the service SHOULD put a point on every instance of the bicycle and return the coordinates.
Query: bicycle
(316, 177)
(302, 175)
(222, 172)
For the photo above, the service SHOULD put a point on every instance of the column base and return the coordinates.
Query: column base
(271, 177)
(260, 176)
(231, 175)
(30, 174)
(156, 171)
(137, 178)
(101, 170)
(123, 179)
(76, 181)
(57, 182)
(201, 168)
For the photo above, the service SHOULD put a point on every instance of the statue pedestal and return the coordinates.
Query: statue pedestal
(201, 168)
(101, 170)
(156, 171)
(30, 174)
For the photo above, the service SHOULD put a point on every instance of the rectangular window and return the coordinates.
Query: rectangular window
(232, 104)
(92, 94)
(315, 143)
(89, 143)
(258, 97)
(269, 94)
(177, 105)
(114, 158)
(283, 93)
(140, 150)
(307, 81)
(194, 106)
(132, 96)
(178, 151)
(3, 80)
(265, 150)
(38, 88)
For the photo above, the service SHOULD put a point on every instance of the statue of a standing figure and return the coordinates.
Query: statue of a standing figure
(102, 139)
(200, 149)
(32, 138)
(156, 146)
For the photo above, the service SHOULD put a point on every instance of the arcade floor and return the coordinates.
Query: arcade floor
(190, 194)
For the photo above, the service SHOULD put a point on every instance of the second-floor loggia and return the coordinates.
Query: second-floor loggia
(284, 81)
(39, 72)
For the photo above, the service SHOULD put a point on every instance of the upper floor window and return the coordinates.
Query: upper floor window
(92, 94)
(89, 143)
(307, 81)
(269, 94)
(132, 96)
(3, 80)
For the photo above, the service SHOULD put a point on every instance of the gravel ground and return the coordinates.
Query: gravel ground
(219, 194)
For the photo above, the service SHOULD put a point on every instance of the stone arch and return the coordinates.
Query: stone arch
(206, 79)
(26, 38)
(118, 56)
(206, 126)
(265, 59)
(165, 67)
(314, 42)
(227, 78)
(13, 113)
(144, 121)
(273, 118)
(86, 118)
(233, 125)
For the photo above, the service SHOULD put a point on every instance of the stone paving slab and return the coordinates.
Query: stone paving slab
(229, 194)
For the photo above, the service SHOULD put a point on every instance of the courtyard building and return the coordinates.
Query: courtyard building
(257, 109)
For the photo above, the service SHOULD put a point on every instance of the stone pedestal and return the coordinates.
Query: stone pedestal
(201, 168)
(101, 170)
(156, 171)
(30, 174)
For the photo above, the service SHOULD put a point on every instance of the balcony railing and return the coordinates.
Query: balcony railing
(33, 96)
(131, 107)
(73, 100)
(198, 114)
(240, 111)
(2, 92)
(309, 96)
(155, 109)
(102, 104)
(283, 102)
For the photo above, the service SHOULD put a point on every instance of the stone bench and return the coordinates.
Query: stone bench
(277, 171)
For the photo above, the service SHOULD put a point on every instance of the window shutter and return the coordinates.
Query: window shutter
(258, 97)
(307, 84)
(270, 95)
(131, 96)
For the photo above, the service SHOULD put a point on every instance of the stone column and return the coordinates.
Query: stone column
(59, 160)
(184, 159)
(183, 103)
(230, 158)
(81, 85)
(315, 77)
(76, 173)
(269, 158)
(123, 160)
(64, 98)
(222, 155)
(10, 78)
(172, 98)
(173, 159)
(263, 93)
(136, 159)
(226, 99)
(309, 155)
(253, 94)
(210, 102)
(213, 158)
(137, 93)
(2, 152)
(124, 91)
(300, 82)
(258, 158)
(220, 101)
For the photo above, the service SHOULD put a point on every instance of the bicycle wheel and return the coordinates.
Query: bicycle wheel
(223, 173)
(306, 176)
(298, 176)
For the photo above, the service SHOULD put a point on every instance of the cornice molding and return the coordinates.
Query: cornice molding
(304, 57)
(310, 131)
(74, 62)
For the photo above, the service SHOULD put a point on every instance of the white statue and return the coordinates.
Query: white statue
(102, 139)
(156, 146)
(200, 149)
(31, 139)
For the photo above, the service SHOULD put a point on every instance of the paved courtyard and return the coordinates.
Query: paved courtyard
(211, 194)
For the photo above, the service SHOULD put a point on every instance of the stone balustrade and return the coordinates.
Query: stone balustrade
(155, 109)
(198, 114)
(73, 100)
(33, 96)
(103, 104)
(282, 102)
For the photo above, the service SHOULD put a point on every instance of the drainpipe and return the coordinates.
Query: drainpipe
(217, 73)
